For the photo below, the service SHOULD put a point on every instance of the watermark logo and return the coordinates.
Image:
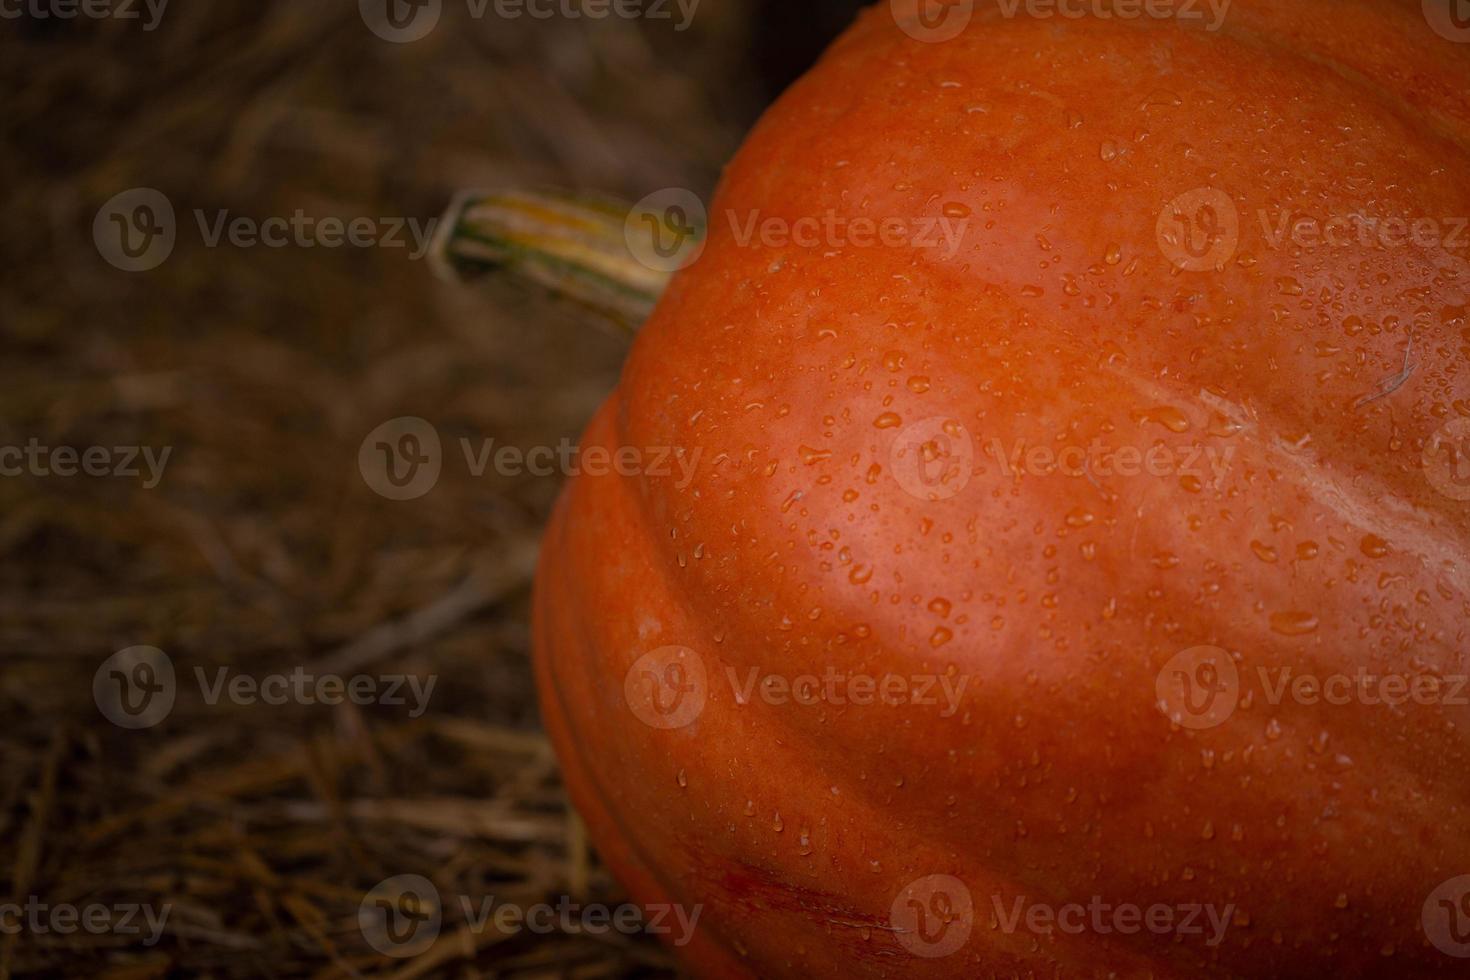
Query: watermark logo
(1199, 230)
(401, 916)
(1447, 460)
(1450, 19)
(150, 12)
(839, 689)
(135, 688)
(569, 459)
(665, 230)
(1182, 10)
(138, 687)
(401, 21)
(405, 21)
(667, 688)
(1198, 688)
(37, 460)
(1363, 230)
(1104, 918)
(1201, 687)
(401, 459)
(135, 231)
(1205, 464)
(39, 918)
(933, 916)
(1446, 917)
(300, 686)
(833, 230)
(932, 21)
(932, 459)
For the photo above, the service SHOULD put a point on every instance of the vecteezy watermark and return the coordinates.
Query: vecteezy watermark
(1201, 687)
(402, 916)
(1446, 917)
(138, 688)
(934, 21)
(665, 230)
(402, 459)
(669, 687)
(1450, 19)
(933, 916)
(838, 688)
(1199, 231)
(150, 12)
(37, 460)
(135, 687)
(934, 459)
(832, 230)
(1447, 460)
(404, 21)
(1362, 230)
(36, 917)
(1101, 459)
(1103, 918)
(1182, 10)
(137, 230)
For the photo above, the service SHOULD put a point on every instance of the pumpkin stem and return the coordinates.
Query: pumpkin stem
(573, 245)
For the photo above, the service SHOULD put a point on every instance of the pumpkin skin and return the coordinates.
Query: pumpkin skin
(795, 548)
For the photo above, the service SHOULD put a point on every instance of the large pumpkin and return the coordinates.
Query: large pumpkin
(1058, 518)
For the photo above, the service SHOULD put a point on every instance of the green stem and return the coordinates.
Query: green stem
(573, 245)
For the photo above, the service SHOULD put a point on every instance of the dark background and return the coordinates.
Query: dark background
(263, 549)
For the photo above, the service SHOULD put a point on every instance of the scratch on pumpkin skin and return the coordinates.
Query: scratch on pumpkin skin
(1392, 384)
(1382, 513)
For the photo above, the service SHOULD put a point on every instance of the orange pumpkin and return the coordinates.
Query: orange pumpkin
(1018, 596)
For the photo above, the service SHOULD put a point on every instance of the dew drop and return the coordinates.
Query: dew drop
(1294, 623)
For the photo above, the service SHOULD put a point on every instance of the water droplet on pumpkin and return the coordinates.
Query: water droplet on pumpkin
(683, 779)
(860, 574)
(1166, 415)
(940, 636)
(1374, 547)
(955, 209)
(940, 607)
(1264, 552)
(811, 456)
(918, 384)
(1294, 623)
(888, 420)
(1079, 517)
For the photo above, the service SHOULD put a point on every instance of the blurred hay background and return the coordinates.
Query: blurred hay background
(263, 549)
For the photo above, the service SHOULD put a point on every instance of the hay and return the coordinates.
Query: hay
(262, 549)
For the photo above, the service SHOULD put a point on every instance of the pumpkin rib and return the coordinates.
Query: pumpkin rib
(1059, 777)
